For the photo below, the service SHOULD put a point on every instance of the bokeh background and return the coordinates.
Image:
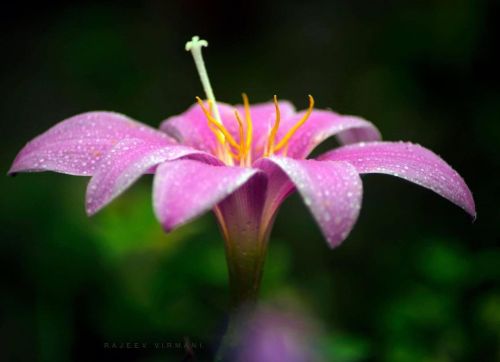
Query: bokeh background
(415, 281)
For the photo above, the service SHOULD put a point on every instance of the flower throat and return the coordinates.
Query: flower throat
(228, 149)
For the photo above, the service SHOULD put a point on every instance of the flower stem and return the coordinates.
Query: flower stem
(245, 257)
(245, 260)
(246, 233)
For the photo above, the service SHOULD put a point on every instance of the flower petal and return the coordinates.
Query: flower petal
(410, 162)
(185, 189)
(128, 161)
(191, 127)
(75, 145)
(331, 190)
(322, 125)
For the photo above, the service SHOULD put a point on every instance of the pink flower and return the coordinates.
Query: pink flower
(191, 178)
(241, 162)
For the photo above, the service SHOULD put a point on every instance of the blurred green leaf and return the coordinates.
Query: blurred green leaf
(345, 348)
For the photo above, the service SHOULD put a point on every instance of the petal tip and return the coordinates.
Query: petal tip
(12, 172)
(332, 244)
(473, 214)
(336, 240)
(167, 228)
(92, 207)
(91, 210)
(15, 168)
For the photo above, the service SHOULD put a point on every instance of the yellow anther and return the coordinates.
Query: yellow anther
(297, 125)
(248, 120)
(219, 126)
(242, 139)
(274, 130)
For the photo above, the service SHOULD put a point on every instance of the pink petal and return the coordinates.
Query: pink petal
(331, 190)
(410, 162)
(185, 189)
(128, 161)
(191, 127)
(75, 145)
(322, 125)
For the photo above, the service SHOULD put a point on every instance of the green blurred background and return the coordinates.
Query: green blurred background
(415, 281)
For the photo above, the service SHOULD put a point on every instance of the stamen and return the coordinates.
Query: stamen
(216, 132)
(274, 130)
(219, 126)
(242, 140)
(233, 155)
(297, 125)
(248, 119)
(194, 46)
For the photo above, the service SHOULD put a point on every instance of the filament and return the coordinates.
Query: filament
(297, 125)
(219, 126)
(274, 130)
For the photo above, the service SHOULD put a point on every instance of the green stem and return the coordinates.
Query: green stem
(246, 249)
(246, 226)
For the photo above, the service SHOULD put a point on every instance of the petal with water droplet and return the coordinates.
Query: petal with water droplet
(331, 190)
(75, 145)
(322, 125)
(185, 189)
(410, 162)
(126, 162)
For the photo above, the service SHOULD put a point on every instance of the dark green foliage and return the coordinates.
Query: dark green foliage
(415, 281)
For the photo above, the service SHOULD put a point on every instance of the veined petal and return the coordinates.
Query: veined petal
(185, 189)
(331, 190)
(410, 162)
(126, 162)
(75, 145)
(324, 124)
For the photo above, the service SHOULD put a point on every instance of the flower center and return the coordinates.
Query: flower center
(228, 149)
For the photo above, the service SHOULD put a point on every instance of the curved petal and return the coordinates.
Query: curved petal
(191, 127)
(322, 125)
(75, 145)
(410, 162)
(331, 190)
(185, 189)
(128, 161)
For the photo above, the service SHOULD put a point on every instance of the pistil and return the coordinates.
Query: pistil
(194, 46)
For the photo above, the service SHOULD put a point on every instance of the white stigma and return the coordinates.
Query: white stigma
(194, 46)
